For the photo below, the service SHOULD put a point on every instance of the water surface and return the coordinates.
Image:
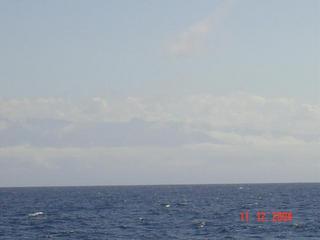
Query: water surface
(159, 212)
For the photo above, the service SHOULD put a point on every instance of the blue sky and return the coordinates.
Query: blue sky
(82, 48)
(159, 92)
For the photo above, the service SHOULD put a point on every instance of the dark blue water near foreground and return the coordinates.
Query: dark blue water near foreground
(159, 212)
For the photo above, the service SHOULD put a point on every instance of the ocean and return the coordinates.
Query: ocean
(233, 211)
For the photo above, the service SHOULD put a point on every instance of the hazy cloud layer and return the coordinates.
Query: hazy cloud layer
(204, 163)
(59, 133)
(197, 116)
(122, 141)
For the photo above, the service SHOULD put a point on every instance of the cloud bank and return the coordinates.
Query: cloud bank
(192, 139)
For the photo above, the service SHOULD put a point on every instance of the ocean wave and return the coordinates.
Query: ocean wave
(35, 214)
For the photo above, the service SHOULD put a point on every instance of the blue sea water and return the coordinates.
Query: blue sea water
(159, 212)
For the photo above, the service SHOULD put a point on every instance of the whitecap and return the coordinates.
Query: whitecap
(202, 224)
(36, 214)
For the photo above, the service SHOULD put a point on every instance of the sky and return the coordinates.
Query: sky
(159, 92)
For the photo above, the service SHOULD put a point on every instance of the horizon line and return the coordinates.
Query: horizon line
(150, 185)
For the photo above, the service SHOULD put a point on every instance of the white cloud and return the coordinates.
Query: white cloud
(237, 116)
(194, 39)
(198, 138)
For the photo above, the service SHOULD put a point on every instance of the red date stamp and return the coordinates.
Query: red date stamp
(263, 216)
